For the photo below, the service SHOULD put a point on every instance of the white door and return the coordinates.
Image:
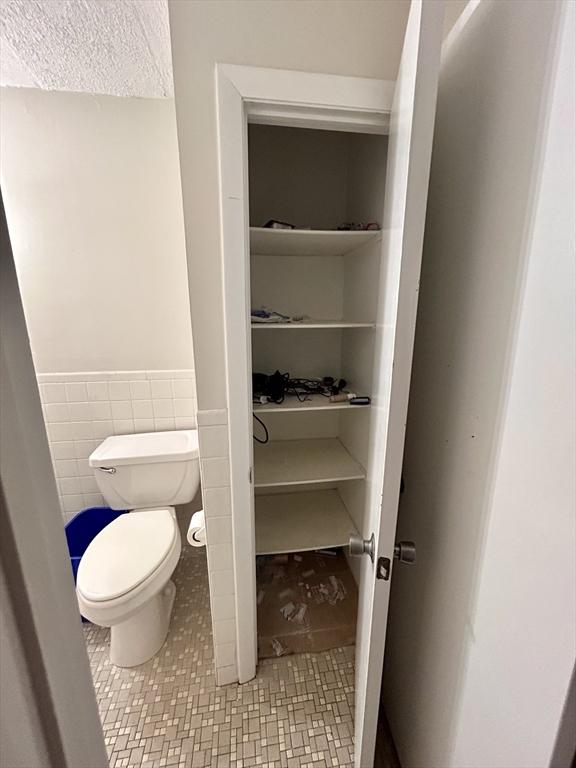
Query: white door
(409, 150)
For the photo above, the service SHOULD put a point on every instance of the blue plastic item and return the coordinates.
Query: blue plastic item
(84, 527)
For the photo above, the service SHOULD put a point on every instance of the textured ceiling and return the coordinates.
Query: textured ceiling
(118, 47)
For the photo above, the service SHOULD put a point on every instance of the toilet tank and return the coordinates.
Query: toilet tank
(148, 470)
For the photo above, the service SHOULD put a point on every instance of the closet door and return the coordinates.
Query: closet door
(410, 145)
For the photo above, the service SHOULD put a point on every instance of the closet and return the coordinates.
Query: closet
(317, 151)
(321, 283)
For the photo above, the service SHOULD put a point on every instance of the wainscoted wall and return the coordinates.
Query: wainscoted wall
(215, 475)
(81, 409)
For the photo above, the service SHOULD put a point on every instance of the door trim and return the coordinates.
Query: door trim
(50, 714)
(273, 97)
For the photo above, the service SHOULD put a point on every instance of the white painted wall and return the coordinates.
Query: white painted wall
(482, 634)
(91, 187)
(360, 38)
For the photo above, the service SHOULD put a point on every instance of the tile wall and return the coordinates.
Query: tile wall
(215, 474)
(81, 409)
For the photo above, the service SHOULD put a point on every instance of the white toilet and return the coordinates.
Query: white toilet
(124, 576)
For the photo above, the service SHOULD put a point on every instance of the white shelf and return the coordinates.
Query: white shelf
(314, 324)
(306, 242)
(301, 462)
(291, 404)
(297, 522)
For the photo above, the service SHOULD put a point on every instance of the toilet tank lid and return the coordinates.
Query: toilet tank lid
(146, 448)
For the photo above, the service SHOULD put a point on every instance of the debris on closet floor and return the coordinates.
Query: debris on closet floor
(307, 602)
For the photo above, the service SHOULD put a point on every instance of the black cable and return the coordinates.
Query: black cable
(265, 431)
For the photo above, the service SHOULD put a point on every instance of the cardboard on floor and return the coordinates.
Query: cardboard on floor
(307, 602)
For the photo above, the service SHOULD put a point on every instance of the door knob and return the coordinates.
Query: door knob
(360, 546)
(405, 551)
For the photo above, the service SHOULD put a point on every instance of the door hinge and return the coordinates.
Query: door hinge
(250, 475)
(383, 568)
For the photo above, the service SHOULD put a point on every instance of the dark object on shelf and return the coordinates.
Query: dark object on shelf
(353, 226)
(271, 387)
(275, 387)
(274, 224)
(359, 401)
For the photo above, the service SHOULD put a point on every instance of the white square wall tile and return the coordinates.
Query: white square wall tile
(53, 393)
(119, 390)
(161, 389)
(121, 409)
(64, 450)
(73, 503)
(142, 409)
(223, 607)
(83, 468)
(65, 468)
(212, 418)
(144, 425)
(163, 409)
(185, 422)
(220, 556)
(217, 502)
(213, 441)
(76, 392)
(225, 654)
(102, 429)
(69, 485)
(227, 675)
(84, 448)
(215, 473)
(184, 407)
(97, 391)
(221, 582)
(219, 529)
(123, 426)
(224, 631)
(140, 390)
(163, 425)
(93, 500)
(82, 430)
(184, 388)
(101, 411)
(89, 484)
(60, 432)
(56, 413)
(80, 411)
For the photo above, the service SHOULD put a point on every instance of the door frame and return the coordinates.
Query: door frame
(271, 97)
(50, 715)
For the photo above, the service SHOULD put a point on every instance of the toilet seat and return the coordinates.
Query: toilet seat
(125, 554)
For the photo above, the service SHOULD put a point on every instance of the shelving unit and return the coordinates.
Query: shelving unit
(291, 404)
(300, 522)
(307, 242)
(302, 462)
(309, 476)
(311, 324)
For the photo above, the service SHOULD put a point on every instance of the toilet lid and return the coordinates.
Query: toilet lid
(125, 553)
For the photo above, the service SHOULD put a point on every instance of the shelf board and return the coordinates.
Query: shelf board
(291, 404)
(307, 242)
(301, 462)
(311, 324)
(298, 522)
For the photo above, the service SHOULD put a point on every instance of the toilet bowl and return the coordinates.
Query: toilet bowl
(124, 576)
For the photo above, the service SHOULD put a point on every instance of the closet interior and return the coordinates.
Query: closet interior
(314, 295)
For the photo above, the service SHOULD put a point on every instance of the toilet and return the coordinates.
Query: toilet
(124, 578)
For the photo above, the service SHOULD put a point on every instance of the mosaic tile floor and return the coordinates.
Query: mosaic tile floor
(297, 713)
